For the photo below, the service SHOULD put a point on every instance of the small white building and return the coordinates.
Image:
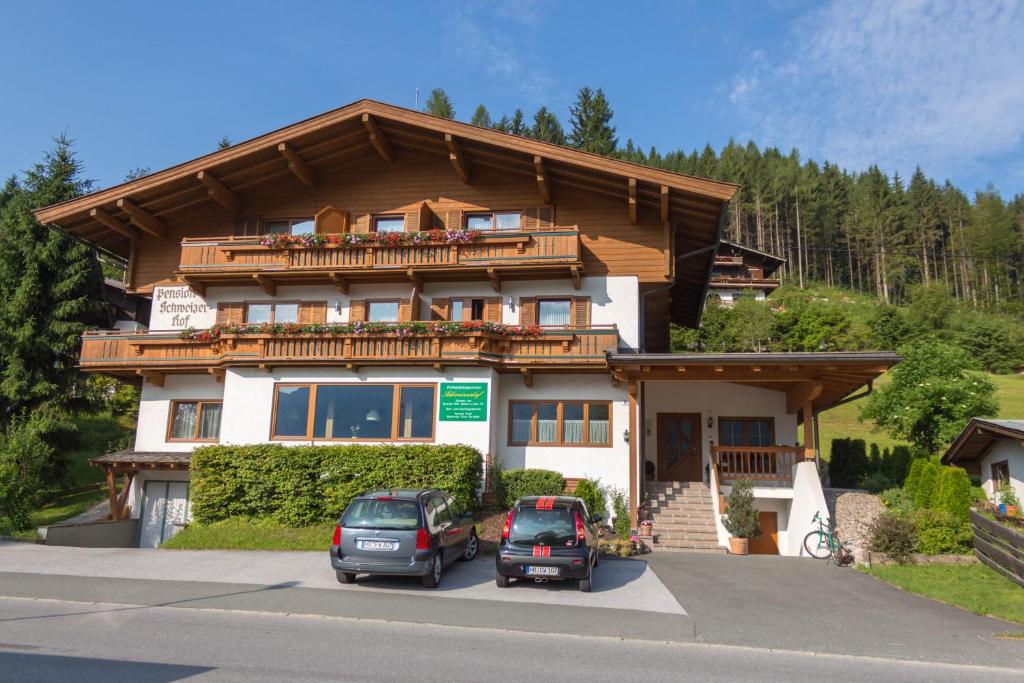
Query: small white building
(993, 449)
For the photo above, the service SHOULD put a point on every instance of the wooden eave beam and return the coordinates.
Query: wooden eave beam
(664, 203)
(457, 158)
(197, 286)
(377, 139)
(801, 394)
(576, 273)
(154, 378)
(268, 286)
(495, 278)
(144, 219)
(632, 202)
(340, 282)
(543, 183)
(219, 192)
(298, 166)
(101, 216)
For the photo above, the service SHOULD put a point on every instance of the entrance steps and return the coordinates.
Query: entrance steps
(682, 516)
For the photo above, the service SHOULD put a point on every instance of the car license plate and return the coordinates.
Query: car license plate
(376, 545)
(541, 571)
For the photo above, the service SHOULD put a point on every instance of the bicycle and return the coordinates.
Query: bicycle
(824, 542)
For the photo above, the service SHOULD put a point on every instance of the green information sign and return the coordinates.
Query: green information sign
(463, 402)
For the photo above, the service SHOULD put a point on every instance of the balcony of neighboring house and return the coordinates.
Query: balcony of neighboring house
(763, 465)
(353, 345)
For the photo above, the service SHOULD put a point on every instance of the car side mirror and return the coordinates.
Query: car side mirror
(596, 518)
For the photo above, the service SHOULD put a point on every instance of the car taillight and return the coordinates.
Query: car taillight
(508, 525)
(581, 533)
(337, 535)
(422, 539)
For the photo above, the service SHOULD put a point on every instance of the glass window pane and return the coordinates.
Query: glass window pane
(477, 310)
(479, 221)
(258, 313)
(547, 422)
(759, 433)
(522, 422)
(456, 310)
(209, 422)
(554, 313)
(353, 412)
(302, 227)
(416, 413)
(183, 426)
(292, 411)
(572, 423)
(390, 224)
(598, 414)
(731, 432)
(286, 313)
(507, 221)
(278, 227)
(382, 312)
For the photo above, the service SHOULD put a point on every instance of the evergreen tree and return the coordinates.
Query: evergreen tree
(503, 125)
(546, 127)
(223, 143)
(481, 117)
(136, 173)
(518, 124)
(439, 104)
(590, 123)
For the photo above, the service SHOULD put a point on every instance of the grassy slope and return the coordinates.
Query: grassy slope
(58, 510)
(973, 587)
(98, 433)
(244, 534)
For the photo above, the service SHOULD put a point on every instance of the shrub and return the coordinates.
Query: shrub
(876, 482)
(512, 485)
(940, 532)
(592, 493)
(953, 492)
(926, 485)
(899, 501)
(896, 464)
(1006, 494)
(303, 485)
(848, 464)
(913, 479)
(892, 534)
(741, 518)
(621, 510)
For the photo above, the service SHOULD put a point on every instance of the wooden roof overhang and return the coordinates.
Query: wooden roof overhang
(121, 461)
(114, 218)
(978, 438)
(771, 261)
(822, 378)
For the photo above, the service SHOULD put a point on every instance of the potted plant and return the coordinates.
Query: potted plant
(1008, 498)
(741, 519)
(646, 528)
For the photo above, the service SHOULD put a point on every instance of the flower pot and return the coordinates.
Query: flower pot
(1011, 510)
(646, 530)
(739, 546)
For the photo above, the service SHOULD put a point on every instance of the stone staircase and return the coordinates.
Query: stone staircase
(682, 516)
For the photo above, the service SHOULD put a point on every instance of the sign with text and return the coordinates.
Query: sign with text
(176, 308)
(463, 402)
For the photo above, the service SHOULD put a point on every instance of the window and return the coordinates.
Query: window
(498, 220)
(1000, 474)
(476, 309)
(554, 312)
(272, 313)
(370, 412)
(382, 311)
(389, 223)
(194, 421)
(290, 226)
(746, 431)
(455, 311)
(560, 423)
(437, 513)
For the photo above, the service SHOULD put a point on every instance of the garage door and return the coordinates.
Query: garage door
(164, 511)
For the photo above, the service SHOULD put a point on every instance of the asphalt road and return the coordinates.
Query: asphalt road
(50, 640)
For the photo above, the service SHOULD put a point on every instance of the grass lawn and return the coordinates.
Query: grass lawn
(57, 511)
(973, 587)
(251, 534)
(98, 433)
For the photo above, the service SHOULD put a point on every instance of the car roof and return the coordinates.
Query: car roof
(398, 493)
(556, 501)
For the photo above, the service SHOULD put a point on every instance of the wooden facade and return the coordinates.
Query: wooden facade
(740, 268)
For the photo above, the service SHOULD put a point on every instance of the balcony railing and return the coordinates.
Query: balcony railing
(224, 256)
(125, 353)
(772, 464)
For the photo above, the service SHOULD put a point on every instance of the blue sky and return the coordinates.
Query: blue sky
(936, 83)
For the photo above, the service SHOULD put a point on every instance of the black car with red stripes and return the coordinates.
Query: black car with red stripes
(548, 538)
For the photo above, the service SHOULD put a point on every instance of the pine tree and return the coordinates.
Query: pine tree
(136, 173)
(224, 142)
(546, 127)
(518, 124)
(502, 125)
(590, 123)
(439, 104)
(481, 117)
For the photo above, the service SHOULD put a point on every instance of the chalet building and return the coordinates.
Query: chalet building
(376, 274)
(740, 269)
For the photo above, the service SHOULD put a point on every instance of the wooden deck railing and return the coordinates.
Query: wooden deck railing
(757, 463)
(556, 245)
(121, 353)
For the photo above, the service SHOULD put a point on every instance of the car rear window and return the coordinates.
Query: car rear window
(531, 526)
(382, 514)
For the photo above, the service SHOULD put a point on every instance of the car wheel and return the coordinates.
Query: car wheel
(433, 577)
(346, 577)
(585, 583)
(472, 547)
(595, 557)
(501, 580)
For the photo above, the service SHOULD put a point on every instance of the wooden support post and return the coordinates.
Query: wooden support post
(633, 209)
(298, 166)
(634, 463)
(340, 283)
(664, 204)
(266, 284)
(144, 219)
(543, 184)
(112, 492)
(457, 158)
(495, 279)
(195, 285)
(808, 416)
(377, 139)
(219, 192)
(101, 216)
(577, 276)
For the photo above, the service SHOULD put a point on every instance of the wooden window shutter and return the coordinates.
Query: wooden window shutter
(426, 217)
(357, 310)
(330, 221)
(581, 311)
(453, 219)
(492, 309)
(312, 312)
(530, 218)
(545, 216)
(527, 310)
(412, 221)
(404, 310)
(232, 313)
(439, 309)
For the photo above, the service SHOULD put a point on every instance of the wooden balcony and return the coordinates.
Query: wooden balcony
(543, 252)
(760, 464)
(153, 355)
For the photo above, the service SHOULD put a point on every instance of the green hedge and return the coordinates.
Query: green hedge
(303, 485)
(511, 485)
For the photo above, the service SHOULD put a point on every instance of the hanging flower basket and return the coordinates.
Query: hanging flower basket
(406, 329)
(352, 240)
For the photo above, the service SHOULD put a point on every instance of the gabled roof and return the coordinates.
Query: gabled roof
(771, 261)
(979, 436)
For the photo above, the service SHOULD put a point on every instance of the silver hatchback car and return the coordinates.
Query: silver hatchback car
(405, 532)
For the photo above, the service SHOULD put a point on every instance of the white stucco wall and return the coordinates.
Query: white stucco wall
(1013, 453)
(151, 432)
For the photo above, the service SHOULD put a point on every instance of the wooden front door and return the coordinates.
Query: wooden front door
(679, 447)
(768, 542)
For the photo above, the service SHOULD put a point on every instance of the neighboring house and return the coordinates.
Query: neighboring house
(993, 449)
(532, 324)
(740, 269)
(126, 311)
